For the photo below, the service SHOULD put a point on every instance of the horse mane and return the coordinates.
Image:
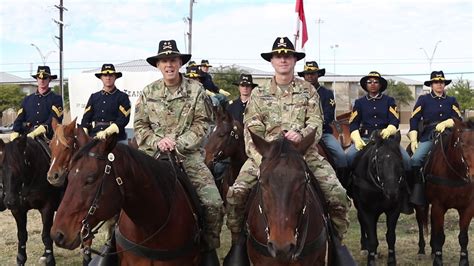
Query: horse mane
(149, 165)
(33, 153)
(376, 141)
(59, 132)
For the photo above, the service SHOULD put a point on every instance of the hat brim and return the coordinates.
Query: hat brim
(251, 84)
(154, 59)
(205, 65)
(428, 82)
(268, 56)
(383, 83)
(321, 72)
(50, 76)
(116, 74)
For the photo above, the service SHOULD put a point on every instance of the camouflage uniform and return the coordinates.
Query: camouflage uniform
(182, 117)
(269, 112)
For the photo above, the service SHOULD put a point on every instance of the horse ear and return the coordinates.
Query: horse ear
(69, 129)
(110, 143)
(22, 142)
(306, 142)
(261, 145)
(81, 137)
(54, 123)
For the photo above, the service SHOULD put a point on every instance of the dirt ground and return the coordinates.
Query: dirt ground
(406, 246)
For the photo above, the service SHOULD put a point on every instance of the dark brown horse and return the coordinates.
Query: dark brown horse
(24, 178)
(285, 220)
(157, 225)
(449, 175)
(226, 146)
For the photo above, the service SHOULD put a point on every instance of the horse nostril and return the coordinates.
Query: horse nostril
(59, 238)
(271, 249)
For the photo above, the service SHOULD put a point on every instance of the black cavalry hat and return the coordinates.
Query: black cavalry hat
(246, 80)
(374, 74)
(193, 72)
(312, 67)
(168, 49)
(108, 69)
(282, 45)
(44, 72)
(437, 76)
(205, 63)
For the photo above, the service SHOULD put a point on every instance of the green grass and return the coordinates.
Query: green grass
(406, 245)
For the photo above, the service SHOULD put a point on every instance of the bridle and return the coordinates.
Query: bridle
(375, 179)
(231, 136)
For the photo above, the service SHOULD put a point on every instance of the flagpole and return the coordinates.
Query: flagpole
(297, 34)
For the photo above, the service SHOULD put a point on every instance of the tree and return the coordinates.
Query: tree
(400, 92)
(224, 76)
(461, 89)
(10, 96)
(57, 90)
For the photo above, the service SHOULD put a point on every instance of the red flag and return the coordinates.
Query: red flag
(300, 11)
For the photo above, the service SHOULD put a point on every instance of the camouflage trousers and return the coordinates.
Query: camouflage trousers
(338, 202)
(203, 182)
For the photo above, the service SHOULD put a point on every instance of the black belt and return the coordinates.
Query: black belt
(101, 123)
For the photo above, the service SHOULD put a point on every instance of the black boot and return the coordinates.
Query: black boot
(108, 254)
(406, 207)
(418, 192)
(209, 258)
(237, 255)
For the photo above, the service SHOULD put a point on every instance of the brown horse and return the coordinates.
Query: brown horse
(225, 145)
(285, 221)
(158, 224)
(449, 174)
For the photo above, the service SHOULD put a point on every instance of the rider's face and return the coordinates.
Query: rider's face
(169, 67)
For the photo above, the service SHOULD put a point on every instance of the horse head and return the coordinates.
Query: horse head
(384, 165)
(282, 192)
(66, 140)
(22, 168)
(89, 183)
(463, 143)
(225, 139)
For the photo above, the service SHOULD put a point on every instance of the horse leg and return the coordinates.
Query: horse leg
(370, 224)
(47, 214)
(392, 219)
(420, 214)
(465, 217)
(363, 234)
(437, 233)
(22, 234)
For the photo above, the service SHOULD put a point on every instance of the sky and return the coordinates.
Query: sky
(394, 37)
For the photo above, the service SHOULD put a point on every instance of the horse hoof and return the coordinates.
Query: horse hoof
(420, 256)
(364, 252)
(47, 260)
(464, 261)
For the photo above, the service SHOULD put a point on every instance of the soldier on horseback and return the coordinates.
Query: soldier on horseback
(237, 107)
(311, 73)
(436, 110)
(38, 109)
(107, 111)
(170, 115)
(289, 105)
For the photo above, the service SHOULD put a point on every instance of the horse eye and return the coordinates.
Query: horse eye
(90, 180)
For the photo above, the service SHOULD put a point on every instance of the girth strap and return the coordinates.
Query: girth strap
(153, 254)
(438, 180)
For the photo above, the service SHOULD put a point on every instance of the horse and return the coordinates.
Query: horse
(225, 146)
(24, 176)
(449, 177)
(2, 190)
(377, 188)
(106, 178)
(285, 222)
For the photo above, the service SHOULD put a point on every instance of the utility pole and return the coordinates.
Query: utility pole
(44, 58)
(190, 24)
(319, 22)
(430, 59)
(60, 38)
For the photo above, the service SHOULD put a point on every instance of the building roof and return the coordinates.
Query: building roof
(9, 78)
(139, 65)
(330, 77)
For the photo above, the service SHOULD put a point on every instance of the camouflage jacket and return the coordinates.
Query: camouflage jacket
(271, 110)
(180, 116)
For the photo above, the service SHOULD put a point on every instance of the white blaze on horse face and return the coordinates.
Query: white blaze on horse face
(52, 163)
(57, 142)
(77, 171)
(215, 129)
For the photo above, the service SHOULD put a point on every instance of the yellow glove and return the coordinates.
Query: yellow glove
(210, 93)
(388, 131)
(358, 142)
(223, 92)
(113, 128)
(14, 135)
(38, 131)
(413, 137)
(440, 127)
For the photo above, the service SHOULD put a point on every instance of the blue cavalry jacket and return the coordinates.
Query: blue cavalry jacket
(371, 113)
(237, 109)
(432, 109)
(39, 109)
(105, 108)
(328, 105)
